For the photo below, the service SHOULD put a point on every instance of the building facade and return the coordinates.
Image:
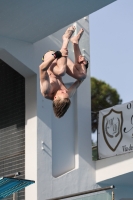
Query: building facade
(56, 153)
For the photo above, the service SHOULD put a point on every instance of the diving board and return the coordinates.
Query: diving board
(9, 186)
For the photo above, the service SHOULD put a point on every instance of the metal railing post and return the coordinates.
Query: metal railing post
(15, 195)
(113, 196)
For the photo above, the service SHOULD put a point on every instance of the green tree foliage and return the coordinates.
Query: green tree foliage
(102, 96)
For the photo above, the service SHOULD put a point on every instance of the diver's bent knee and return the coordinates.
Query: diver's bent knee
(62, 72)
(82, 76)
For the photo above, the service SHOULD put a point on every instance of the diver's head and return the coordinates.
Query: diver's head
(61, 103)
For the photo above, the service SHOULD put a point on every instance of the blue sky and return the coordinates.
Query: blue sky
(111, 46)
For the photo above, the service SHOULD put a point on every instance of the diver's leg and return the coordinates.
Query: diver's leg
(60, 68)
(77, 70)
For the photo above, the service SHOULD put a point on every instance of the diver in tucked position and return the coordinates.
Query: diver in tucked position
(55, 65)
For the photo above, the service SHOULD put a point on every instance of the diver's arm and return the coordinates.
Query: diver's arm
(46, 64)
(73, 88)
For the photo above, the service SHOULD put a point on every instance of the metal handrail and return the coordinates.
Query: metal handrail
(83, 193)
(13, 175)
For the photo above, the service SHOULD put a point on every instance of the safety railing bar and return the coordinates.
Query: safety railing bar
(13, 175)
(83, 193)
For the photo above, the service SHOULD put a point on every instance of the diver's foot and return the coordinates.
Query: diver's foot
(69, 33)
(75, 39)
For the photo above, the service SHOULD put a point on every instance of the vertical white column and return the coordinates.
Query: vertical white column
(31, 137)
(65, 164)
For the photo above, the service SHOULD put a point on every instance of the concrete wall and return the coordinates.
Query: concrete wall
(114, 166)
(117, 171)
(123, 192)
(64, 165)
